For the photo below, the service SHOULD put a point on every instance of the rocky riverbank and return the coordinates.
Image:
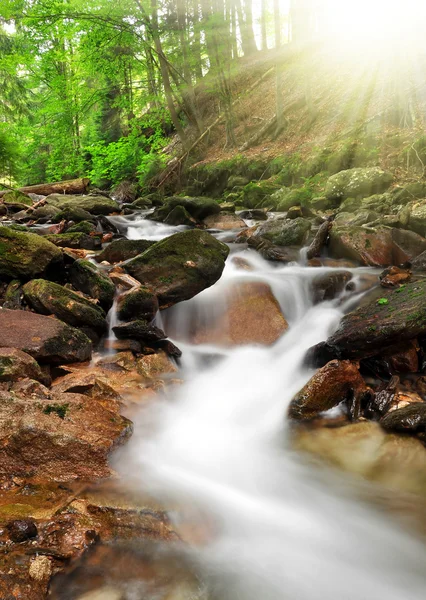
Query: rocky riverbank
(70, 378)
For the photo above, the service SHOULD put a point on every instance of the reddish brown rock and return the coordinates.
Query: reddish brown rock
(337, 382)
(44, 338)
(63, 437)
(253, 316)
(394, 277)
(407, 360)
(15, 365)
(90, 384)
(365, 245)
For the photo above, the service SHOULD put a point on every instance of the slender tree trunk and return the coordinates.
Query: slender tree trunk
(165, 74)
(263, 16)
(234, 38)
(150, 72)
(278, 70)
(196, 41)
(248, 4)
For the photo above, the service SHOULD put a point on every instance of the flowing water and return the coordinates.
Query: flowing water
(275, 527)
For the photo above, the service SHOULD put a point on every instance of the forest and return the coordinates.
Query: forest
(212, 299)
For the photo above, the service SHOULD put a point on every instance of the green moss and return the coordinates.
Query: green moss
(58, 409)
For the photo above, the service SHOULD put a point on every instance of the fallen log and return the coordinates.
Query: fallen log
(72, 186)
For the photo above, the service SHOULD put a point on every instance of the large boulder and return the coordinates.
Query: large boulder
(87, 278)
(285, 233)
(25, 255)
(95, 205)
(361, 182)
(17, 199)
(224, 222)
(252, 316)
(61, 437)
(336, 382)
(397, 316)
(198, 208)
(46, 339)
(367, 246)
(417, 218)
(49, 298)
(180, 266)
(120, 250)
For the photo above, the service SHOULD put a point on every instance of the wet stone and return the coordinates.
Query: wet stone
(21, 530)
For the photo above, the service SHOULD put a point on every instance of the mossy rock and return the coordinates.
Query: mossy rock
(75, 240)
(408, 193)
(285, 233)
(321, 203)
(82, 227)
(87, 278)
(26, 255)
(236, 181)
(15, 364)
(198, 207)
(17, 199)
(354, 183)
(359, 218)
(141, 203)
(179, 216)
(139, 303)
(44, 213)
(95, 205)
(255, 193)
(72, 213)
(180, 266)
(48, 298)
(12, 296)
(120, 250)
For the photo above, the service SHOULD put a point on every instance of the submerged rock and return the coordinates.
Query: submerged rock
(180, 266)
(399, 315)
(26, 255)
(50, 298)
(252, 316)
(44, 338)
(338, 381)
(88, 279)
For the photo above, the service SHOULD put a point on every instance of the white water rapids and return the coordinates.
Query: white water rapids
(278, 528)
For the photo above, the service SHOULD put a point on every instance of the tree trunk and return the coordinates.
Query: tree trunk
(165, 74)
(73, 186)
(196, 42)
(279, 92)
(263, 24)
(248, 4)
(247, 35)
(234, 39)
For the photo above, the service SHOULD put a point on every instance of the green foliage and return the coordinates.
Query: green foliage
(382, 301)
(58, 409)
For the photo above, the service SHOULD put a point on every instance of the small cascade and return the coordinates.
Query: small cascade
(279, 529)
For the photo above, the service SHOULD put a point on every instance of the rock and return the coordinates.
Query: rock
(410, 419)
(120, 250)
(44, 213)
(180, 216)
(256, 214)
(89, 384)
(269, 251)
(21, 530)
(155, 365)
(224, 222)
(15, 364)
(44, 338)
(95, 205)
(405, 361)
(13, 295)
(139, 330)
(252, 316)
(49, 298)
(360, 182)
(198, 208)
(417, 218)
(62, 438)
(367, 246)
(86, 278)
(83, 227)
(72, 214)
(40, 568)
(75, 240)
(294, 212)
(329, 285)
(362, 217)
(16, 198)
(125, 191)
(26, 255)
(407, 245)
(236, 181)
(123, 280)
(419, 263)
(180, 266)
(321, 203)
(139, 303)
(394, 277)
(338, 381)
(398, 316)
(365, 449)
(285, 233)
(140, 204)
